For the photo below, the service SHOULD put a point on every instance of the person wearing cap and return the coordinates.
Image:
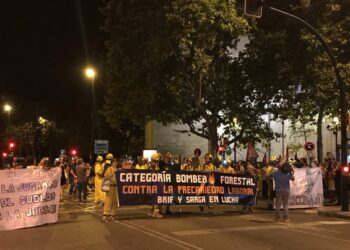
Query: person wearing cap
(226, 167)
(186, 164)
(110, 204)
(99, 194)
(142, 164)
(250, 170)
(107, 163)
(208, 163)
(154, 165)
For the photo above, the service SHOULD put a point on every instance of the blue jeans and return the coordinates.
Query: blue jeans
(282, 198)
(82, 188)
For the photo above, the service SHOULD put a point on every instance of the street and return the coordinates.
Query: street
(80, 227)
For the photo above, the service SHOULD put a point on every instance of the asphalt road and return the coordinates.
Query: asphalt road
(80, 227)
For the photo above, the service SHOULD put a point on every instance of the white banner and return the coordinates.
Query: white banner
(29, 197)
(306, 191)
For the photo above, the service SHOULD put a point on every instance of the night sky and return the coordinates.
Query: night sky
(45, 45)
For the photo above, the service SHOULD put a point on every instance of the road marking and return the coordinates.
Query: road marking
(317, 235)
(225, 230)
(158, 235)
(155, 234)
(308, 225)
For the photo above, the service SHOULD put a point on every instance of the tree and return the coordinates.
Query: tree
(292, 56)
(172, 61)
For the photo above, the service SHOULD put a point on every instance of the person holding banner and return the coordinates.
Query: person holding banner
(282, 188)
(154, 165)
(142, 164)
(250, 170)
(208, 163)
(110, 205)
(196, 162)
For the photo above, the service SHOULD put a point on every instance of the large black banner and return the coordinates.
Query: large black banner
(137, 187)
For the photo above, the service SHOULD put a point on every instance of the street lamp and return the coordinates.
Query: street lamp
(8, 108)
(335, 127)
(42, 120)
(90, 73)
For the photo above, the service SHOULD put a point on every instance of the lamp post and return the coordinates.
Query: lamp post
(8, 108)
(90, 73)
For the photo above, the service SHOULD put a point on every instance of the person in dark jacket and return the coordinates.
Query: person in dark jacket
(282, 178)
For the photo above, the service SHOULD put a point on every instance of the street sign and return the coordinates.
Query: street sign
(101, 147)
(309, 146)
(253, 8)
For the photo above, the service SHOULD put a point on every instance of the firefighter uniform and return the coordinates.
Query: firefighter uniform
(99, 194)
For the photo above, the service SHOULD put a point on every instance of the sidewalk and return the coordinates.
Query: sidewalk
(333, 211)
(327, 210)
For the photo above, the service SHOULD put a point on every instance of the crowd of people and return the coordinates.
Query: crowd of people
(79, 178)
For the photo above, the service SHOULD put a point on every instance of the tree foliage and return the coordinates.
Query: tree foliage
(285, 57)
(172, 61)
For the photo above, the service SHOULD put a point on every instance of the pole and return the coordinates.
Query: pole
(342, 104)
(269, 150)
(92, 118)
(282, 140)
(235, 153)
(336, 143)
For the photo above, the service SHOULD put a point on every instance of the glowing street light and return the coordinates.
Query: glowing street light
(8, 108)
(90, 73)
(42, 120)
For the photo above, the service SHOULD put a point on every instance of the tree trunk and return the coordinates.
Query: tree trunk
(319, 134)
(213, 135)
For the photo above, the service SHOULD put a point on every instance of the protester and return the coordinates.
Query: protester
(81, 179)
(107, 163)
(250, 170)
(72, 170)
(196, 162)
(331, 172)
(154, 165)
(60, 163)
(226, 167)
(99, 195)
(187, 165)
(282, 188)
(142, 164)
(164, 164)
(208, 163)
(337, 182)
(110, 205)
(44, 163)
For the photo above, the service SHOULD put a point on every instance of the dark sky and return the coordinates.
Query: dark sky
(44, 47)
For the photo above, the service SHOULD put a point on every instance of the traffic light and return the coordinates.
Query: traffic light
(73, 152)
(253, 8)
(221, 149)
(346, 170)
(12, 146)
(4, 155)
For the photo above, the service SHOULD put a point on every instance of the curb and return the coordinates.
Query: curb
(334, 215)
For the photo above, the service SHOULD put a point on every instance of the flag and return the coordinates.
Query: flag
(252, 155)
